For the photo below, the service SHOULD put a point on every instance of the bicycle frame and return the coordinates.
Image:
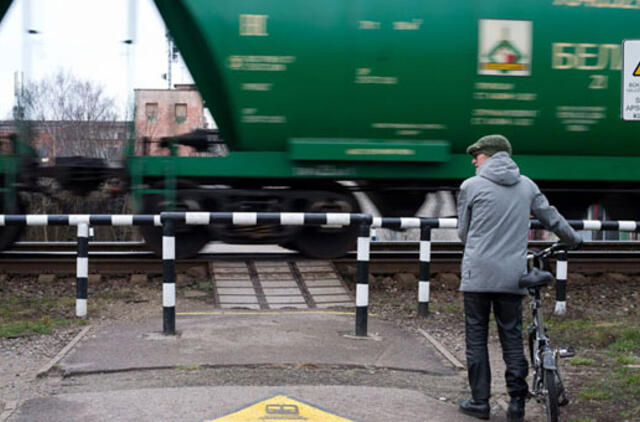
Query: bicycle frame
(542, 356)
(547, 384)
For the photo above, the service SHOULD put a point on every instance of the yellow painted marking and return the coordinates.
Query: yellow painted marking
(270, 313)
(505, 66)
(280, 408)
(637, 71)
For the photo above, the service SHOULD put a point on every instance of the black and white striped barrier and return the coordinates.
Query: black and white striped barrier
(82, 270)
(427, 224)
(75, 219)
(253, 218)
(83, 222)
(562, 259)
(424, 270)
(169, 219)
(362, 279)
(168, 277)
(561, 284)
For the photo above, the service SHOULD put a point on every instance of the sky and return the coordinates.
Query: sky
(86, 38)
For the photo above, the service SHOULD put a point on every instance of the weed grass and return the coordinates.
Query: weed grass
(24, 315)
(580, 361)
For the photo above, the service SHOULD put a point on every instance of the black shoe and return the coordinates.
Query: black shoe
(515, 413)
(476, 408)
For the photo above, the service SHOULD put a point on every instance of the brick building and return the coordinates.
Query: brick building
(167, 112)
(52, 138)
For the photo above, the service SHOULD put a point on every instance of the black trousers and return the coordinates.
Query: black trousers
(507, 309)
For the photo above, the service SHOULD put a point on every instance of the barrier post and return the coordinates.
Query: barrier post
(561, 283)
(169, 277)
(424, 269)
(82, 270)
(362, 278)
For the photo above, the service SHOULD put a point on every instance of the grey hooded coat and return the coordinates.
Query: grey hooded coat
(493, 223)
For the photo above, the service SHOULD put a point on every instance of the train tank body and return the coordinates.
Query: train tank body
(390, 94)
(544, 73)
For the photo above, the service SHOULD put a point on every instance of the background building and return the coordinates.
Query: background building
(167, 112)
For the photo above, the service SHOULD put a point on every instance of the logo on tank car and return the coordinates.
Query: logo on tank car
(504, 47)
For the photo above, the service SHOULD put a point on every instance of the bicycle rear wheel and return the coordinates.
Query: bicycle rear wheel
(551, 396)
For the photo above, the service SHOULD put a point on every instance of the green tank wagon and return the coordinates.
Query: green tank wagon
(387, 95)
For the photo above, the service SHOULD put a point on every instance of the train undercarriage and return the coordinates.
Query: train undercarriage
(399, 200)
(152, 194)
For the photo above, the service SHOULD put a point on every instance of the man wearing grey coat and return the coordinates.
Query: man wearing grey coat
(494, 208)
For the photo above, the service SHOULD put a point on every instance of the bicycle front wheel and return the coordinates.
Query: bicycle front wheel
(551, 396)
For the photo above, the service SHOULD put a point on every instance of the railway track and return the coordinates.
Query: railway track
(386, 257)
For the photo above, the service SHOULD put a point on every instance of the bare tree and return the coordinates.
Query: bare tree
(73, 117)
(76, 116)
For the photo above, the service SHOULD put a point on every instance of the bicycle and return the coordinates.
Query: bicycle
(547, 386)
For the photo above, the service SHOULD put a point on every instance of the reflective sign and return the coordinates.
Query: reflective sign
(280, 408)
(631, 80)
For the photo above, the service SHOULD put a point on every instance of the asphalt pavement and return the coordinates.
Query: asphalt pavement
(247, 339)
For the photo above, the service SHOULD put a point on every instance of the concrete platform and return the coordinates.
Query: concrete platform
(363, 404)
(253, 338)
(231, 338)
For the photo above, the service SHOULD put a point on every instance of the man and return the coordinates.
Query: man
(493, 223)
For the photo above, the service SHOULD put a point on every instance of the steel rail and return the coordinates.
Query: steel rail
(386, 257)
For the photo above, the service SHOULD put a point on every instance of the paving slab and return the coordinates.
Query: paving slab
(285, 299)
(361, 404)
(272, 269)
(324, 275)
(234, 283)
(326, 290)
(278, 283)
(249, 338)
(238, 299)
(333, 298)
(232, 276)
(332, 304)
(236, 291)
(275, 276)
(323, 283)
(287, 305)
(280, 291)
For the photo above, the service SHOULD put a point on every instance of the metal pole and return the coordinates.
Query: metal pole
(82, 270)
(561, 284)
(424, 269)
(362, 279)
(169, 277)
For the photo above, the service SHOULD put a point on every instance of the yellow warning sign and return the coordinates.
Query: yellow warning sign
(280, 408)
(637, 71)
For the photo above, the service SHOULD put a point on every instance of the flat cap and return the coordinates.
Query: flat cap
(489, 145)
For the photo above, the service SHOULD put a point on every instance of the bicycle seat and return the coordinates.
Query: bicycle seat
(535, 278)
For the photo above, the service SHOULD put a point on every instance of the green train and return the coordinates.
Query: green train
(308, 94)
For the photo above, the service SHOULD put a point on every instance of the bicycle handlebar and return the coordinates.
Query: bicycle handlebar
(551, 250)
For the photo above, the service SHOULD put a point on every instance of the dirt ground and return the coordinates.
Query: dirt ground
(602, 325)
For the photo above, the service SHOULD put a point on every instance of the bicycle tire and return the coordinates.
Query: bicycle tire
(551, 396)
(532, 338)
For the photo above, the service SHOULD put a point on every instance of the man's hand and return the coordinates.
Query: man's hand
(578, 245)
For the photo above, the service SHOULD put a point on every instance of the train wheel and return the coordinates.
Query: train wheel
(189, 239)
(329, 242)
(397, 203)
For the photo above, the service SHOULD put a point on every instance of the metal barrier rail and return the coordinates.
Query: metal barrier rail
(366, 222)
(169, 219)
(427, 224)
(83, 221)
